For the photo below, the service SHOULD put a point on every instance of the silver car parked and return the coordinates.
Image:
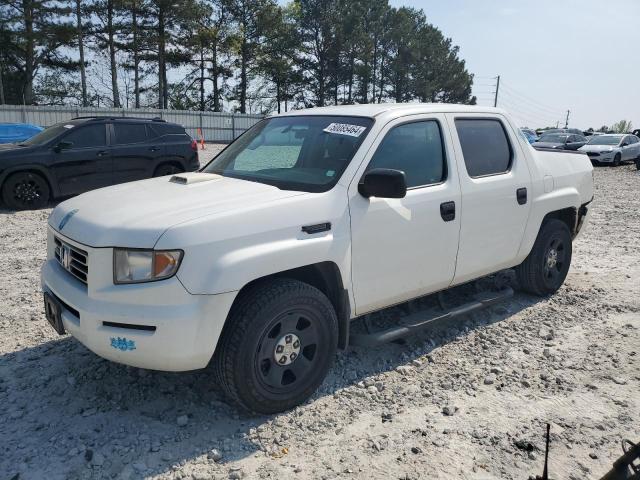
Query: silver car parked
(612, 148)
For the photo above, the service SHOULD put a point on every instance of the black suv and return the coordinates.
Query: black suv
(91, 152)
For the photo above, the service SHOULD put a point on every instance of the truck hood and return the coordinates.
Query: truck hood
(136, 214)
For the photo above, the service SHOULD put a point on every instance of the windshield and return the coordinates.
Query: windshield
(553, 138)
(605, 140)
(50, 133)
(306, 153)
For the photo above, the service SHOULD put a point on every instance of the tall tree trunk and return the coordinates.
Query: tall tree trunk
(161, 59)
(29, 64)
(365, 82)
(112, 55)
(136, 54)
(278, 93)
(83, 73)
(244, 58)
(374, 67)
(381, 86)
(214, 74)
(201, 77)
(350, 90)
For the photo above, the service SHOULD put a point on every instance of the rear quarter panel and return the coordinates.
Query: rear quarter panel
(559, 180)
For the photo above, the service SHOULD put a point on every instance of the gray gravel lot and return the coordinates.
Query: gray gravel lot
(468, 399)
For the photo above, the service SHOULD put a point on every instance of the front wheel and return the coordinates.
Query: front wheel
(543, 272)
(637, 163)
(277, 346)
(25, 190)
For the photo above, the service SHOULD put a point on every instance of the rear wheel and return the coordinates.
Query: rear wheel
(167, 169)
(25, 190)
(277, 346)
(637, 163)
(543, 272)
(616, 160)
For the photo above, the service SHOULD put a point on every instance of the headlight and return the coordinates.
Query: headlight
(137, 266)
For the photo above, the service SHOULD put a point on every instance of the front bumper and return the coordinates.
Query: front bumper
(158, 325)
(602, 158)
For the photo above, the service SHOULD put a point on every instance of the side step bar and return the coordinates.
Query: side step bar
(411, 324)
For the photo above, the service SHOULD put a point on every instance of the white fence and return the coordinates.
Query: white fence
(216, 127)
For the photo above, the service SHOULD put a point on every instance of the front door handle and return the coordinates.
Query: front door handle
(154, 149)
(521, 195)
(448, 211)
(102, 153)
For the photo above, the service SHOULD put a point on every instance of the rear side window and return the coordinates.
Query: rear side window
(416, 149)
(485, 146)
(87, 136)
(159, 129)
(126, 133)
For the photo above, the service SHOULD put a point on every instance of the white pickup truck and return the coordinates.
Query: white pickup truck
(259, 262)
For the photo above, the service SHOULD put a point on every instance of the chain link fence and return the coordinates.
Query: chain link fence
(215, 126)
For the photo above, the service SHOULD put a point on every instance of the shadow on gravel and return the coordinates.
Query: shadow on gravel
(94, 418)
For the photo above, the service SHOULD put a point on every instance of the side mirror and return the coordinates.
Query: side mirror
(383, 183)
(62, 146)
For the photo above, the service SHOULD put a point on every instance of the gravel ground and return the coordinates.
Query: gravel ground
(464, 400)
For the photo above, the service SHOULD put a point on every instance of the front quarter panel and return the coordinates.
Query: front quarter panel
(225, 252)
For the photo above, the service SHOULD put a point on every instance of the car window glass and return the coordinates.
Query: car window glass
(634, 139)
(87, 136)
(416, 149)
(159, 129)
(126, 133)
(485, 146)
(276, 147)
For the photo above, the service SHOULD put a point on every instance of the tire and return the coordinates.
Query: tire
(544, 270)
(616, 160)
(167, 169)
(25, 190)
(637, 163)
(277, 346)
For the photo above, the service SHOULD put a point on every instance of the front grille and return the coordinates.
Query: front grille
(593, 154)
(73, 260)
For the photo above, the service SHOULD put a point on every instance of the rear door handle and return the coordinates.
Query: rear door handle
(102, 153)
(448, 211)
(521, 195)
(154, 149)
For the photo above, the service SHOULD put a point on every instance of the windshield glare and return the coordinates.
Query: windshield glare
(306, 153)
(553, 138)
(49, 133)
(604, 140)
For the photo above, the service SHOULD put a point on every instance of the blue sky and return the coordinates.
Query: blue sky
(552, 55)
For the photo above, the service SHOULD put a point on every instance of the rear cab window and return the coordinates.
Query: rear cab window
(485, 146)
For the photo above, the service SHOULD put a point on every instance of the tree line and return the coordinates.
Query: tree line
(220, 55)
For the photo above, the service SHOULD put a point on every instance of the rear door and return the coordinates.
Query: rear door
(85, 163)
(495, 183)
(176, 144)
(404, 248)
(134, 156)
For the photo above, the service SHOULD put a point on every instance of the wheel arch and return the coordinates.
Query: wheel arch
(326, 277)
(37, 169)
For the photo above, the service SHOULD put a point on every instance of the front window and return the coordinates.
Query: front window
(306, 153)
(605, 140)
(52, 132)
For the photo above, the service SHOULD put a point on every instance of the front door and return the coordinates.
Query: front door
(405, 248)
(85, 161)
(496, 193)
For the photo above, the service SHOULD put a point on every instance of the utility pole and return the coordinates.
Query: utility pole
(495, 100)
(566, 122)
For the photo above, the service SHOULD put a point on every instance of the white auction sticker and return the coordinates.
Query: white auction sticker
(345, 129)
(69, 126)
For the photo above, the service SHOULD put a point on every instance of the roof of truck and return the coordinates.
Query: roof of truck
(376, 109)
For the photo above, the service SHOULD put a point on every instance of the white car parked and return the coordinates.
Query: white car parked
(612, 148)
(260, 262)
